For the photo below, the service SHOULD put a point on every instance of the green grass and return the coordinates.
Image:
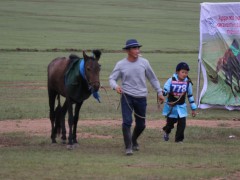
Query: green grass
(23, 88)
(105, 24)
(206, 153)
(158, 24)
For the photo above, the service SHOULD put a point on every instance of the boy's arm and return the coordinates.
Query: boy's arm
(191, 98)
(166, 87)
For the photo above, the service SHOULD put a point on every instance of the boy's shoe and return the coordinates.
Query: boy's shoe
(180, 142)
(135, 147)
(166, 137)
(129, 152)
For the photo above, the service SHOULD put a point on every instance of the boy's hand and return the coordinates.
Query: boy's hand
(194, 113)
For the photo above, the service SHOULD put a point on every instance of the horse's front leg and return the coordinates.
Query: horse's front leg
(64, 111)
(229, 81)
(75, 121)
(237, 88)
(237, 75)
(70, 124)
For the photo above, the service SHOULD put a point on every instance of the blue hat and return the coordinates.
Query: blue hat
(182, 65)
(131, 43)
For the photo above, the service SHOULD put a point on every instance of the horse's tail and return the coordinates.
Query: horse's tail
(58, 113)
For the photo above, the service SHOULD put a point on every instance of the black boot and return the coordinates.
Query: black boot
(136, 133)
(127, 139)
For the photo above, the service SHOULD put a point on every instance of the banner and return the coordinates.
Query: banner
(219, 55)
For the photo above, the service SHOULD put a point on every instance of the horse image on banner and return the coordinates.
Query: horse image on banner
(219, 55)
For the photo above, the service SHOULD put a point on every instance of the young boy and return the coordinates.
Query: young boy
(177, 88)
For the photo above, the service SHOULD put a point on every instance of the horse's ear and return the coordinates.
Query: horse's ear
(85, 56)
(97, 53)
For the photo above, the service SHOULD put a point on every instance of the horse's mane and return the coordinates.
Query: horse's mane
(97, 54)
(73, 57)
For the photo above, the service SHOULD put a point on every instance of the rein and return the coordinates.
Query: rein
(172, 104)
(116, 107)
(175, 102)
(123, 94)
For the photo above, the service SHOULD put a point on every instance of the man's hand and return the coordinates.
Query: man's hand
(119, 90)
(161, 98)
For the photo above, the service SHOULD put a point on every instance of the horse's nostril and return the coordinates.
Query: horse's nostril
(95, 86)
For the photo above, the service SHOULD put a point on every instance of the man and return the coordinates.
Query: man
(133, 71)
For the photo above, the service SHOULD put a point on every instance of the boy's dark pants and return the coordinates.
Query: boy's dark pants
(181, 124)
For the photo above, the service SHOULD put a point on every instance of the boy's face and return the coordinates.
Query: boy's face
(182, 74)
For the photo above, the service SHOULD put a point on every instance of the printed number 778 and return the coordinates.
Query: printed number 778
(179, 88)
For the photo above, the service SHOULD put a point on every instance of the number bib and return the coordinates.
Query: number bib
(178, 88)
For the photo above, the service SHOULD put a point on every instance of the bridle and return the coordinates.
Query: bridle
(83, 74)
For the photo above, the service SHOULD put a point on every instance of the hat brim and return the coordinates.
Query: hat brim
(129, 47)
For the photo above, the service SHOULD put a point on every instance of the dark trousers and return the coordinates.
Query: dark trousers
(181, 125)
(130, 104)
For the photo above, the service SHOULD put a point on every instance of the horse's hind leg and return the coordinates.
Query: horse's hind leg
(52, 96)
(64, 111)
(229, 82)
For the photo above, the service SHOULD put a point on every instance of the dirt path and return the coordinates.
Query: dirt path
(42, 126)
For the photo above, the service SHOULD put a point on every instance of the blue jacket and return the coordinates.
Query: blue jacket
(178, 109)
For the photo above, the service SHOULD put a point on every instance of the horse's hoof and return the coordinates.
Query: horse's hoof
(54, 144)
(70, 147)
(64, 141)
(75, 145)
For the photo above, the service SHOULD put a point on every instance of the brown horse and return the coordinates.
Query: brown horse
(230, 66)
(76, 86)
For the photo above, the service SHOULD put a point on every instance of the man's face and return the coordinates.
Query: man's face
(133, 52)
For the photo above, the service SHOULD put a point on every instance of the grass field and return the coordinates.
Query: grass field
(206, 153)
(24, 79)
(35, 32)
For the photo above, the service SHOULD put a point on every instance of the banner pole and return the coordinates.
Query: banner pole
(198, 82)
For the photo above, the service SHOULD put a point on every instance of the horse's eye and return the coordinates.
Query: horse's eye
(88, 69)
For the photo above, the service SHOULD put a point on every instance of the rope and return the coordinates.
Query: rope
(172, 104)
(175, 102)
(116, 107)
(123, 94)
(130, 107)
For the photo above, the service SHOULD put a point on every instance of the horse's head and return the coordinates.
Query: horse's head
(92, 69)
